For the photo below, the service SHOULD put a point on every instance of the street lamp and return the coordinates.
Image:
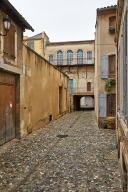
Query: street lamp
(7, 24)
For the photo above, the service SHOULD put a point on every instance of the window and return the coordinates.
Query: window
(111, 105)
(50, 58)
(112, 60)
(89, 55)
(9, 42)
(104, 66)
(31, 44)
(69, 57)
(89, 86)
(79, 57)
(71, 86)
(59, 58)
(112, 23)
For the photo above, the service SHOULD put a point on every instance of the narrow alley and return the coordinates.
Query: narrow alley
(70, 154)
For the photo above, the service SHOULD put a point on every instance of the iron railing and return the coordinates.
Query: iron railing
(74, 61)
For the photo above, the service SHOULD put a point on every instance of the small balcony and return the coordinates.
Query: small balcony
(73, 62)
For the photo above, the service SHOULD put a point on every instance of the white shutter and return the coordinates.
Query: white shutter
(102, 105)
(104, 66)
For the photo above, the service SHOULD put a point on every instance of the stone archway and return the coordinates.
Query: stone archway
(83, 102)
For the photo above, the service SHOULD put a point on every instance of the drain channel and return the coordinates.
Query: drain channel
(62, 136)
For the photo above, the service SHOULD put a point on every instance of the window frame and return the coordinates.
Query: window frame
(88, 55)
(110, 73)
(89, 86)
(111, 105)
(112, 22)
(10, 43)
(69, 57)
(80, 57)
(59, 57)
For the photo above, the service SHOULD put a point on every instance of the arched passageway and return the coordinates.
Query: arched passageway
(83, 102)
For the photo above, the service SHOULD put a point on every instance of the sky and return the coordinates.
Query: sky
(62, 20)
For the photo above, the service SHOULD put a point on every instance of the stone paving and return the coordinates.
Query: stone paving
(85, 160)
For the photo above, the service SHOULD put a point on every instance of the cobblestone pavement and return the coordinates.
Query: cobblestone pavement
(85, 161)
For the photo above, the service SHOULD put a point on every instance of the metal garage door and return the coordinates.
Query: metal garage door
(7, 107)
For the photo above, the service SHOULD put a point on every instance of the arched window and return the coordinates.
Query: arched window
(59, 57)
(69, 57)
(79, 57)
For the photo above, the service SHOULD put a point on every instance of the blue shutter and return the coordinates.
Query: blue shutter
(104, 66)
(71, 86)
(102, 105)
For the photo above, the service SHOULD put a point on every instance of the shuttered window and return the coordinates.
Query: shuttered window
(112, 22)
(9, 43)
(111, 67)
(89, 86)
(102, 105)
(104, 66)
(111, 105)
(71, 86)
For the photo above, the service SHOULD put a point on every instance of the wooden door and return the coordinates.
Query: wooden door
(7, 107)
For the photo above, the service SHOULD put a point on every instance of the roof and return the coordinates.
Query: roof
(70, 42)
(37, 36)
(108, 8)
(10, 10)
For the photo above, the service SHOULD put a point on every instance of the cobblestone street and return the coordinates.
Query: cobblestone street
(85, 160)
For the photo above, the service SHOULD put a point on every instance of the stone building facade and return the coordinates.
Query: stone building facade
(28, 96)
(122, 89)
(105, 67)
(74, 58)
(11, 62)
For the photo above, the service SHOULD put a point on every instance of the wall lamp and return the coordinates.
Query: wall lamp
(7, 24)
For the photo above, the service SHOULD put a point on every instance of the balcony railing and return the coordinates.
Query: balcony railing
(74, 61)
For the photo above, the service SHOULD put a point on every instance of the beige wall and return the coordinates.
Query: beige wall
(40, 84)
(104, 45)
(81, 77)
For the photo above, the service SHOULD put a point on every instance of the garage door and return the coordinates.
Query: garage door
(7, 107)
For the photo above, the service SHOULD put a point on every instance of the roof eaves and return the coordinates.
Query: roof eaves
(7, 7)
(108, 8)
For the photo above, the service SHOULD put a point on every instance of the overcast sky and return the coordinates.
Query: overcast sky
(62, 20)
